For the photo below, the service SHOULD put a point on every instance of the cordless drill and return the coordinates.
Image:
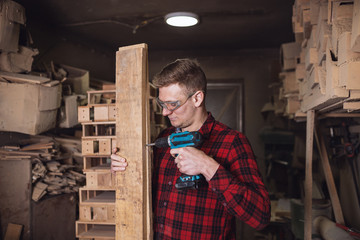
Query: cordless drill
(179, 140)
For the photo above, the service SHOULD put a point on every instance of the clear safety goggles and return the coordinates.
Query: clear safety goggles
(171, 105)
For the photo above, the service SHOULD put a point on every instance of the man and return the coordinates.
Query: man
(233, 187)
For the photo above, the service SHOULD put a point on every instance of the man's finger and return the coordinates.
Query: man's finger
(115, 150)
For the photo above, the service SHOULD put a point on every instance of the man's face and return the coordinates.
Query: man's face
(182, 116)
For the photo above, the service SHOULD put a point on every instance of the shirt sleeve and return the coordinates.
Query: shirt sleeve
(240, 188)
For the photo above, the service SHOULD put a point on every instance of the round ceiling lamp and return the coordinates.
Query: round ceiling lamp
(182, 19)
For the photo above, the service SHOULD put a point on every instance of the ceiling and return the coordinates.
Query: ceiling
(224, 25)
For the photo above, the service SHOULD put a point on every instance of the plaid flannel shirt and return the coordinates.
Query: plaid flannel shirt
(236, 190)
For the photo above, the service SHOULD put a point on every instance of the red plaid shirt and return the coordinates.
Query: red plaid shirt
(236, 190)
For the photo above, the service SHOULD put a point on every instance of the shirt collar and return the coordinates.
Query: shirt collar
(206, 128)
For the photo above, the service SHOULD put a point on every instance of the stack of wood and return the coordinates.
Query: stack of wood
(327, 61)
(54, 170)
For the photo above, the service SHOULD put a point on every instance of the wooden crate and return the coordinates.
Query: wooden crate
(97, 206)
(100, 177)
(84, 114)
(100, 129)
(89, 195)
(96, 161)
(94, 97)
(97, 112)
(94, 213)
(97, 146)
(91, 230)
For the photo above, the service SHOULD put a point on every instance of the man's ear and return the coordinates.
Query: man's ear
(198, 98)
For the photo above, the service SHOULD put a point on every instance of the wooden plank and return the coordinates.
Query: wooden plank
(339, 218)
(308, 173)
(13, 231)
(23, 78)
(133, 220)
(355, 37)
(351, 105)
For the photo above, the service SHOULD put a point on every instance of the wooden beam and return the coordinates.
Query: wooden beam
(339, 218)
(133, 193)
(310, 122)
(13, 232)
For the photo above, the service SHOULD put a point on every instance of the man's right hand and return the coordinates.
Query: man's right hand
(118, 163)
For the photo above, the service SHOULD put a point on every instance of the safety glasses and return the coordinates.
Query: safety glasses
(172, 105)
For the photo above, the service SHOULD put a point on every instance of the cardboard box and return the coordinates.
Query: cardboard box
(290, 84)
(12, 15)
(28, 108)
(289, 53)
(77, 78)
(69, 112)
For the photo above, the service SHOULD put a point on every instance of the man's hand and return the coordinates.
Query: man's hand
(118, 163)
(192, 161)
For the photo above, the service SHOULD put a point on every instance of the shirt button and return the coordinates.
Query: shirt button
(224, 204)
(161, 225)
(165, 203)
(170, 183)
(214, 189)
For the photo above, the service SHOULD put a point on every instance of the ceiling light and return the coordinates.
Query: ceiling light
(181, 19)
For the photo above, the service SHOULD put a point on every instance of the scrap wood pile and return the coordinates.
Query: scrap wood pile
(56, 164)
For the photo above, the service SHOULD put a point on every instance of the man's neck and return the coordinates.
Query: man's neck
(200, 118)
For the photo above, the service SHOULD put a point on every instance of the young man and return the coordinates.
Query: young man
(233, 187)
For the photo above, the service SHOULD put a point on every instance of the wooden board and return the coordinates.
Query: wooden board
(133, 207)
(23, 78)
(339, 218)
(13, 232)
(308, 174)
(355, 37)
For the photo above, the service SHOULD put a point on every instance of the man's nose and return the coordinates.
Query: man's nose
(166, 112)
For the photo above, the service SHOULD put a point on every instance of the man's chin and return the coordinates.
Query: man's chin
(174, 123)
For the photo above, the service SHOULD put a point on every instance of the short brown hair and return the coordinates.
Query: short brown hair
(186, 72)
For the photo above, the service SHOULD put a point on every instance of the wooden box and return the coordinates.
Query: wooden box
(97, 146)
(90, 230)
(97, 206)
(91, 162)
(98, 112)
(100, 178)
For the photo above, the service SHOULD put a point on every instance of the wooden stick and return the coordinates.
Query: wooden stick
(13, 231)
(339, 218)
(308, 174)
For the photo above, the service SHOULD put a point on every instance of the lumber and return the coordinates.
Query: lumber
(355, 38)
(13, 232)
(310, 122)
(23, 78)
(133, 206)
(329, 178)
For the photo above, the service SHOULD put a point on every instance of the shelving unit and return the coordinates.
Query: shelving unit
(97, 198)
